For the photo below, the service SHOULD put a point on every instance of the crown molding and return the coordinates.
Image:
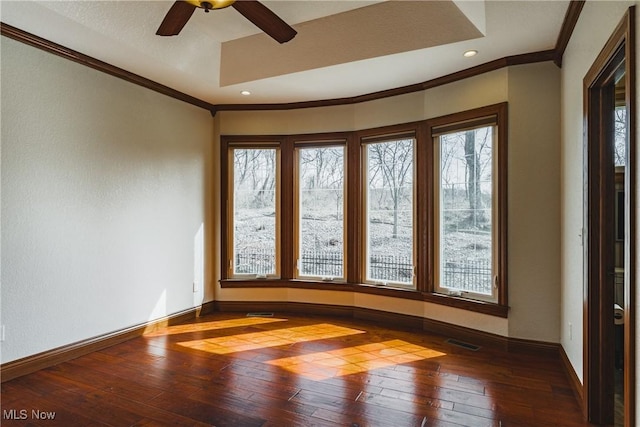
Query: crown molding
(568, 25)
(80, 58)
(571, 18)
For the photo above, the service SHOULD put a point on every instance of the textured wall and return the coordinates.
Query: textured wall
(597, 22)
(103, 206)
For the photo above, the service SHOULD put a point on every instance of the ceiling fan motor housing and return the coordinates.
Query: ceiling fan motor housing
(211, 4)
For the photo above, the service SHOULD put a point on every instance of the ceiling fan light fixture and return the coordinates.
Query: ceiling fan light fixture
(211, 4)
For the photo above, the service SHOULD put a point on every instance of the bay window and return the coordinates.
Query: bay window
(414, 211)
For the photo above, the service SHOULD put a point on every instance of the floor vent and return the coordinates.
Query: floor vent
(462, 344)
(259, 314)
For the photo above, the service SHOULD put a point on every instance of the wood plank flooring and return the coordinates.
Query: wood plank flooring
(288, 370)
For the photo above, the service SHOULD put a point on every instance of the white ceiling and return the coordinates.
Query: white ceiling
(122, 33)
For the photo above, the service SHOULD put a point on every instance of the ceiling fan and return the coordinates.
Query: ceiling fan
(253, 10)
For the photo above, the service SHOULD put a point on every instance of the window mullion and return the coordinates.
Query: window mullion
(287, 211)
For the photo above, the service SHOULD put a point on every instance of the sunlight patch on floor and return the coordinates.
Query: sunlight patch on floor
(218, 324)
(274, 338)
(351, 360)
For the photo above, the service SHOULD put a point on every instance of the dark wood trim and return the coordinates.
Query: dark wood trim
(284, 307)
(503, 203)
(408, 294)
(226, 142)
(471, 336)
(526, 58)
(491, 309)
(574, 381)
(598, 332)
(287, 210)
(29, 364)
(354, 280)
(207, 308)
(386, 133)
(568, 25)
(424, 213)
(354, 211)
(397, 320)
(631, 186)
(555, 55)
(380, 317)
(614, 59)
(448, 122)
(72, 55)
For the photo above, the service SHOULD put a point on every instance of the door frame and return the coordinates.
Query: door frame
(617, 57)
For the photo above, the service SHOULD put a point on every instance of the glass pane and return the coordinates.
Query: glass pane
(466, 192)
(620, 137)
(321, 183)
(254, 211)
(390, 211)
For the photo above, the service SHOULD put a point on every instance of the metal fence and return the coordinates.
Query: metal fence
(391, 268)
(255, 262)
(322, 264)
(467, 275)
(464, 275)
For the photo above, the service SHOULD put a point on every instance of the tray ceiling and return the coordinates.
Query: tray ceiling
(343, 48)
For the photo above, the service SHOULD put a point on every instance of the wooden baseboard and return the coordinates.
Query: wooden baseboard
(396, 320)
(58, 355)
(461, 333)
(207, 308)
(284, 307)
(574, 381)
(29, 364)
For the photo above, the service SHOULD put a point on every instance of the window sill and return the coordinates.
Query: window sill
(468, 304)
(410, 294)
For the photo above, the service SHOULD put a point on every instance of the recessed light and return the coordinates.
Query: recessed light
(470, 53)
(245, 93)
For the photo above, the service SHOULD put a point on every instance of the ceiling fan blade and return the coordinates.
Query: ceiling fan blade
(265, 19)
(176, 18)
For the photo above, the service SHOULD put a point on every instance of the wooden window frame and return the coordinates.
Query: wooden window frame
(397, 134)
(355, 210)
(227, 239)
(310, 144)
(437, 131)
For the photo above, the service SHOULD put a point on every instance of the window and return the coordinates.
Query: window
(415, 210)
(465, 220)
(389, 205)
(320, 206)
(254, 220)
(469, 205)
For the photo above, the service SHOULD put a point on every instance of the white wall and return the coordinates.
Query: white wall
(534, 202)
(597, 22)
(534, 243)
(103, 207)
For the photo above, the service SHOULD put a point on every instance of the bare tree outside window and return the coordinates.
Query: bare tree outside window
(390, 171)
(466, 193)
(321, 210)
(620, 137)
(254, 211)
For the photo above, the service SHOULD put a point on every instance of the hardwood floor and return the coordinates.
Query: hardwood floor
(286, 370)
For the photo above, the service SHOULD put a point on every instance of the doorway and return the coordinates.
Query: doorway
(609, 319)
